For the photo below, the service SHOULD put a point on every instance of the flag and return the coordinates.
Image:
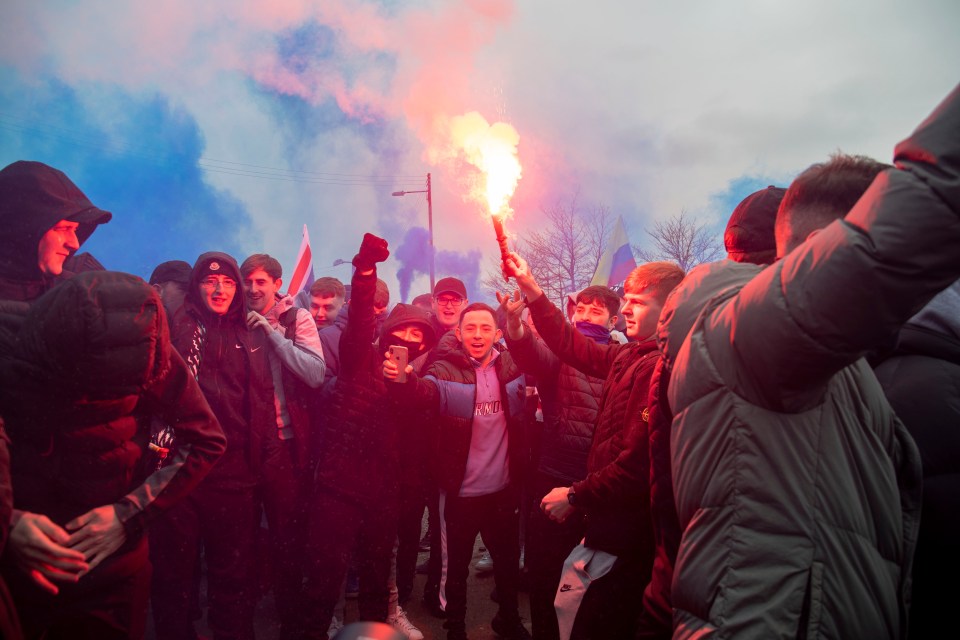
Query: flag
(302, 276)
(617, 261)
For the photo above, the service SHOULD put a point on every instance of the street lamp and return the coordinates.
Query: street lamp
(429, 193)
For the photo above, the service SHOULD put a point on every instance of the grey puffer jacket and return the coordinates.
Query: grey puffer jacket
(797, 487)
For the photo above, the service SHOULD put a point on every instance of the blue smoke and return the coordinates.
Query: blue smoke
(414, 254)
(162, 208)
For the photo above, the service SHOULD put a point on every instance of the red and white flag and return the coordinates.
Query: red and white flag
(302, 276)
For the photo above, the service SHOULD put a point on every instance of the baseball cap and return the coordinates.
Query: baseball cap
(450, 285)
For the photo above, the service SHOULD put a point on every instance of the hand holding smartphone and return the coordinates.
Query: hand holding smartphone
(399, 355)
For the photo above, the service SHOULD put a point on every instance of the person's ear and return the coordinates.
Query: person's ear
(457, 333)
(613, 322)
(499, 336)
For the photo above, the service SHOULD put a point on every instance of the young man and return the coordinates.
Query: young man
(797, 486)
(297, 368)
(330, 335)
(326, 299)
(91, 356)
(479, 395)
(618, 545)
(571, 402)
(231, 364)
(355, 501)
(449, 297)
(44, 218)
(170, 279)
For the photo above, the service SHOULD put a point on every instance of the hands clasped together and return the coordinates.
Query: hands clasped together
(52, 554)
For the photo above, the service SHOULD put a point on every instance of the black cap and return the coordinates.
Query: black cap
(171, 271)
(749, 234)
(450, 285)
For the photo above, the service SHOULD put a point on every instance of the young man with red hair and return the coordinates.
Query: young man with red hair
(618, 545)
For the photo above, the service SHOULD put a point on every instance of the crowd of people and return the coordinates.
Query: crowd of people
(749, 458)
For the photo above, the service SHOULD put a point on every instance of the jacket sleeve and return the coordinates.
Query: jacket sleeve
(851, 286)
(568, 344)
(303, 355)
(417, 393)
(177, 399)
(358, 335)
(534, 357)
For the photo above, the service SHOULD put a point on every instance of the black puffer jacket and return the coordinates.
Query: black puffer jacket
(91, 353)
(234, 372)
(922, 382)
(33, 198)
(615, 494)
(448, 390)
(571, 401)
(361, 431)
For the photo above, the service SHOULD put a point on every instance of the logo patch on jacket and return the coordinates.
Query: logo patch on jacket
(566, 587)
(645, 414)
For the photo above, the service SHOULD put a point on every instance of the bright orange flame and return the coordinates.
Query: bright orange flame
(493, 150)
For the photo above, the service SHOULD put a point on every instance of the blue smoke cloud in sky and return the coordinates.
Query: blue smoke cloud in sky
(162, 207)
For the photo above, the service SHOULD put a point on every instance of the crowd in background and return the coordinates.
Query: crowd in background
(767, 447)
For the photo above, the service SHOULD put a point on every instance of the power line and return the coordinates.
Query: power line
(213, 165)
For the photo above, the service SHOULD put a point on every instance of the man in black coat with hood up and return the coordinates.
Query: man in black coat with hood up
(356, 499)
(230, 363)
(44, 218)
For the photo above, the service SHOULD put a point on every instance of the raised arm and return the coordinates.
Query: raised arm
(851, 286)
(359, 333)
(566, 342)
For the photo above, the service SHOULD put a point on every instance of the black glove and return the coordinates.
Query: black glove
(372, 251)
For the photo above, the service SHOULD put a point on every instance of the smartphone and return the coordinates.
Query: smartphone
(398, 354)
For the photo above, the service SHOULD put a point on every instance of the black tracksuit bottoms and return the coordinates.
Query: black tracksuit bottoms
(495, 517)
(340, 525)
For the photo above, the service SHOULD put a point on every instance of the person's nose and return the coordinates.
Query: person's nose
(71, 241)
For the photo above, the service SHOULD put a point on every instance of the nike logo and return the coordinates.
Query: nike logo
(566, 587)
(257, 349)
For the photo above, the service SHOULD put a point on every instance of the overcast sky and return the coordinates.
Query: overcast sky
(230, 124)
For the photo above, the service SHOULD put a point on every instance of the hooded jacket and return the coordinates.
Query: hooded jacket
(232, 367)
(362, 426)
(34, 197)
(92, 354)
(797, 487)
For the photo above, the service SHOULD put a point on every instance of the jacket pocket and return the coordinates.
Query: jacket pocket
(812, 603)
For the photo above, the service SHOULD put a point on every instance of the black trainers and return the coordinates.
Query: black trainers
(432, 604)
(510, 630)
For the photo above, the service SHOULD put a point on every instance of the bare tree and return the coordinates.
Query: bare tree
(564, 253)
(683, 240)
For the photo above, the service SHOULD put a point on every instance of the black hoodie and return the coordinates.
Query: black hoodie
(361, 432)
(233, 370)
(34, 197)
